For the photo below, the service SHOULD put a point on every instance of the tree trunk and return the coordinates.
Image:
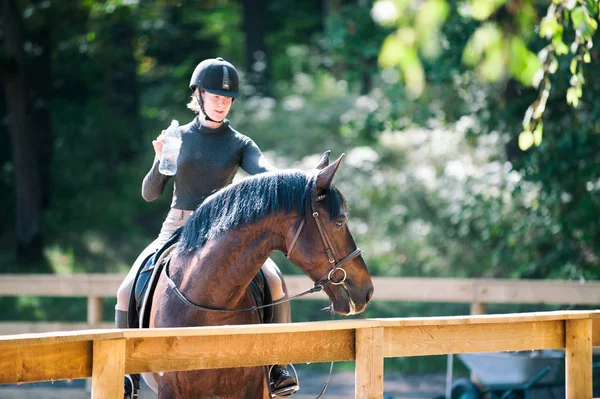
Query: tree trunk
(27, 177)
(116, 49)
(40, 96)
(333, 8)
(256, 49)
(330, 7)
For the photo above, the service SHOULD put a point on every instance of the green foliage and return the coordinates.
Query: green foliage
(352, 41)
(582, 18)
(418, 33)
(499, 48)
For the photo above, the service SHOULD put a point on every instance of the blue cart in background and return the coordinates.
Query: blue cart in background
(510, 375)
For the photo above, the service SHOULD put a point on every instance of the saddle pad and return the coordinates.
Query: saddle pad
(144, 276)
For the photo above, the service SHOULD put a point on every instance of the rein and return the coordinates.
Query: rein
(316, 288)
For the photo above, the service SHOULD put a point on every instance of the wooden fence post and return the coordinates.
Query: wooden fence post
(369, 363)
(94, 311)
(478, 308)
(108, 369)
(578, 359)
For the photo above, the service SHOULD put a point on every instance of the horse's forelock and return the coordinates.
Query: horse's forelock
(338, 203)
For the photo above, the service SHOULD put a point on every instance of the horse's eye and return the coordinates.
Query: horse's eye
(339, 224)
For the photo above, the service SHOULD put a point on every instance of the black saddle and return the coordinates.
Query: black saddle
(145, 282)
(147, 278)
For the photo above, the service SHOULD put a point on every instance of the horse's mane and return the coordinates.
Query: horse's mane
(250, 200)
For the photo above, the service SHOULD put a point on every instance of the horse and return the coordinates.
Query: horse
(223, 246)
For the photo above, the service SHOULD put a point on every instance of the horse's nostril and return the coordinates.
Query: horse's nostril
(369, 294)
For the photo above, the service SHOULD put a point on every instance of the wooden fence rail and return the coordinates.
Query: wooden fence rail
(105, 355)
(477, 292)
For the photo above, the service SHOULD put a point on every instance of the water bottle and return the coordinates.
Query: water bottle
(170, 150)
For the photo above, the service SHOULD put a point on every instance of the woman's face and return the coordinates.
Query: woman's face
(216, 107)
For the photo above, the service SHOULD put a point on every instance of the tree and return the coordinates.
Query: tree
(257, 61)
(28, 179)
(115, 35)
(480, 64)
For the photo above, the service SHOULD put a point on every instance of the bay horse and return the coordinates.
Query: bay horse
(224, 244)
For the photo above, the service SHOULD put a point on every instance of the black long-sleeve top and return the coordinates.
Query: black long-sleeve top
(208, 161)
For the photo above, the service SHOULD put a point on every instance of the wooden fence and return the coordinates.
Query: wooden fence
(105, 355)
(477, 292)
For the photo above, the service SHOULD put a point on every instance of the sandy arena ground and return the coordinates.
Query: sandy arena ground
(396, 386)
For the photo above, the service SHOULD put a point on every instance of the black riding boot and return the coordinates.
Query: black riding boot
(283, 384)
(131, 385)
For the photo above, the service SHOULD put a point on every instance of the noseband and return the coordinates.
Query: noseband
(329, 248)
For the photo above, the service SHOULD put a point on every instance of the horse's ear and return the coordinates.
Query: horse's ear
(324, 160)
(325, 176)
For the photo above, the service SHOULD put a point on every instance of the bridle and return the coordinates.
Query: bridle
(329, 248)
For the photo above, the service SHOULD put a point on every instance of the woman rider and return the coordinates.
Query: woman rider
(210, 155)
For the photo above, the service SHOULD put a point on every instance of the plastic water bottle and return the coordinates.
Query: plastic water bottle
(170, 150)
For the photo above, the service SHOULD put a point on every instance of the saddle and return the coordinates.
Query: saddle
(145, 282)
(147, 277)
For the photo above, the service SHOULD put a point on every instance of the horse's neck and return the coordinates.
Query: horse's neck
(221, 271)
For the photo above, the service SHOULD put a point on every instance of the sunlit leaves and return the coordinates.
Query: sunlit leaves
(523, 62)
(500, 46)
(417, 34)
(537, 134)
(561, 14)
(428, 21)
(481, 10)
(490, 52)
(398, 50)
(395, 48)
(548, 25)
(493, 52)
(583, 24)
(484, 37)
(560, 48)
(527, 138)
(485, 50)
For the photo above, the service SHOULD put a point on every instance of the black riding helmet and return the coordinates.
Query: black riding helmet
(216, 76)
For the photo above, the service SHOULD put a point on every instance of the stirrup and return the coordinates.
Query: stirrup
(134, 394)
(288, 391)
(285, 392)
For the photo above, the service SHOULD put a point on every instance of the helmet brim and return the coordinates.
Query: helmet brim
(223, 93)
